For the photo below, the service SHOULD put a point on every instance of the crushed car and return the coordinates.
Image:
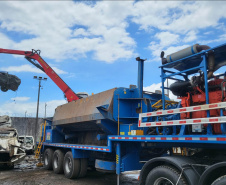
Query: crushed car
(11, 151)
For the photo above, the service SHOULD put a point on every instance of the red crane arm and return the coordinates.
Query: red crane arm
(69, 93)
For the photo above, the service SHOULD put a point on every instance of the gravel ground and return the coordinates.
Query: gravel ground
(26, 173)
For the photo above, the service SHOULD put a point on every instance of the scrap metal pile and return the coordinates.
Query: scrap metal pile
(8, 81)
(11, 151)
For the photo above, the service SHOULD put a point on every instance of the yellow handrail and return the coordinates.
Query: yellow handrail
(42, 139)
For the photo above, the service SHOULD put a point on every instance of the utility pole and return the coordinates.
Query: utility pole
(45, 109)
(25, 129)
(39, 86)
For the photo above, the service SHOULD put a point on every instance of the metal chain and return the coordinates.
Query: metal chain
(180, 176)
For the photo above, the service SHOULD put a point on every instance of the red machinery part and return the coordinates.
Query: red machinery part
(69, 93)
(197, 97)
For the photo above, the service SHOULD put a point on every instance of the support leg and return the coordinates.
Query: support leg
(118, 179)
(118, 162)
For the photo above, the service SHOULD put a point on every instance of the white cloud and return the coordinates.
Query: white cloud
(179, 16)
(198, 15)
(19, 108)
(178, 23)
(167, 38)
(221, 38)
(154, 87)
(59, 71)
(22, 68)
(156, 50)
(71, 75)
(166, 42)
(191, 36)
(5, 41)
(80, 32)
(111, 50)
(52, 29)
(29, 68)
(154, 14)
(73, 29)
(20, 99)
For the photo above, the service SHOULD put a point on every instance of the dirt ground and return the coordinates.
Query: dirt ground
(26, 173)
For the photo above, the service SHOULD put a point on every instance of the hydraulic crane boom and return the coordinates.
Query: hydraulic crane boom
(33, 55)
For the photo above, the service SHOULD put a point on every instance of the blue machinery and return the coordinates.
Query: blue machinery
(191, 65)
(113, 117)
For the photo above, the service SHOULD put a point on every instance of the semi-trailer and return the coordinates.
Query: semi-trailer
(124, 129)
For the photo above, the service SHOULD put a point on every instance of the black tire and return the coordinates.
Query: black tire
(48, 158)
(220, 181)
(71, 166)
(4, 88)
(58, 161)
(84, 166)
(164, 175)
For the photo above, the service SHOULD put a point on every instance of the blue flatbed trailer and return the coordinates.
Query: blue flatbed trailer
(166, 154)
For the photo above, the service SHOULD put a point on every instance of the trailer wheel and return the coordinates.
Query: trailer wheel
(84, 165)
(220, 181)
(164, 175)
(48, 158)
(71, 166)
(58, 160)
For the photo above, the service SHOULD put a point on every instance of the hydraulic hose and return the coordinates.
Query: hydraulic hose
(211, 59)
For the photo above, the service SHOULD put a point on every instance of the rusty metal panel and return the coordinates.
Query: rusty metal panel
(83, 110)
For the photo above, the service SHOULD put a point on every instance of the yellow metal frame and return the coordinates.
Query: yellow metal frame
(38, 150)
(158, 104)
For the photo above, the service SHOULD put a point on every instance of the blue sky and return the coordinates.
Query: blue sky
(93, 46)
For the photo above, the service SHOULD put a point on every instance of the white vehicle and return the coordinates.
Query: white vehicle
(27, 143)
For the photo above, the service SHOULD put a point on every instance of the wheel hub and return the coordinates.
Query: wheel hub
(46, 159)
(68, 165)
(55, 161)
(163, 181)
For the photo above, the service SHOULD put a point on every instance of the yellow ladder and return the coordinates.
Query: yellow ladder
(42, 139)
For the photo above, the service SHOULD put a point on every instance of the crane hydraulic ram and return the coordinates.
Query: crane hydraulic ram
(33, 55)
